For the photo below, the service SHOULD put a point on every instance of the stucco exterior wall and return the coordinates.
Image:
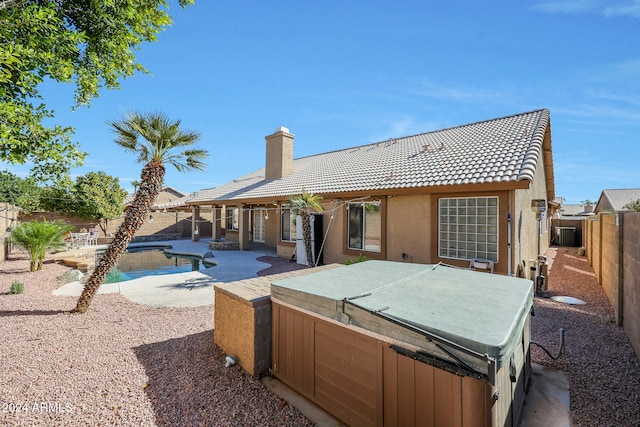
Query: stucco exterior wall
(524, 222)
(409, 228)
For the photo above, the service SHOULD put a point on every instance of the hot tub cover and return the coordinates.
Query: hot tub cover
(479, 311)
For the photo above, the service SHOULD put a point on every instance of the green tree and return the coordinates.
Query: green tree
(90, 44)
(37, 238)
(305, 204)
(99, 197)
(56, 199)
(633, 206)
(21, 192)
(156, 140)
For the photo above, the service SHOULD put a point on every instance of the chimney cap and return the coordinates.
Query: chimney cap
(282, 129)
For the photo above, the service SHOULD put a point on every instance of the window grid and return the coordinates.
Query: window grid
(468, 228)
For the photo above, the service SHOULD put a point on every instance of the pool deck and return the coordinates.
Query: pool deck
(191, 289)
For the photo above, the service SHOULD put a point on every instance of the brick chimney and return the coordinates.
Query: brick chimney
(279, 154)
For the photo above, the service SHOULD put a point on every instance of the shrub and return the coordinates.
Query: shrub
(114, 275)
(361, 258)
(16, 287)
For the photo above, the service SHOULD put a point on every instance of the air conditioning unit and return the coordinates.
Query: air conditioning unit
(566, 236)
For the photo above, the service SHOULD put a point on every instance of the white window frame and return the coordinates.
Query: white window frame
(232, 215)
(363, 241)
(468, 227)
(292, 224)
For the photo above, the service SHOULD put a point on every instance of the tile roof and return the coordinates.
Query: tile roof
(505, 149)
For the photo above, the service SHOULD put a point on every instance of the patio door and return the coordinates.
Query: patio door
(258, 225)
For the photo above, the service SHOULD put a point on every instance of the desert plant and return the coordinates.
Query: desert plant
(37, 238)
(16, 287)
(156, 140)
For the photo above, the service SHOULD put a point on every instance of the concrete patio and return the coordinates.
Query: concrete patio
(191, 289)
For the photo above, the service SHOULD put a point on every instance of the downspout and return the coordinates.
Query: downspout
(509, 244)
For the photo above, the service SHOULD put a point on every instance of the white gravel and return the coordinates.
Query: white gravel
(129, 364)
(119, 364)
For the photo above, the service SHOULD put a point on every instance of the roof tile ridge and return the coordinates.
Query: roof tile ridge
(479, 122)
(531, 157)
(435, 131)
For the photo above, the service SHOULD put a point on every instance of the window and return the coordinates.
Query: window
(365, 226)
(288, 224)
(468, 228)
(232, 218)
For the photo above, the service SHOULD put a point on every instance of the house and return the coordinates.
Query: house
(480, 190)
(616, 199)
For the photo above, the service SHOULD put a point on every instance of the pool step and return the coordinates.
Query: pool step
(82, 264)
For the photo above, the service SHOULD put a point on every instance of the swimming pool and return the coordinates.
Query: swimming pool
(144, 261)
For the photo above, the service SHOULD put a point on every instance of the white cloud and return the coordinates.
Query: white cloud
(632, 9)
(603, 7)
(452, 93)
(569, 6)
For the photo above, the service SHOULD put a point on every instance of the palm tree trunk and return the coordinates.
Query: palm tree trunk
(150, 186)
(306, 235)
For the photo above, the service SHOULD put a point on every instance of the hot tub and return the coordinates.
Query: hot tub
(388, 343)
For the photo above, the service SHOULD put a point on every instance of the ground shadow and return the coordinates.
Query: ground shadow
(204, 282)
(190, 385)
(9, 313)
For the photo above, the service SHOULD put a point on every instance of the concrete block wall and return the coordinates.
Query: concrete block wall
(613, 250)
(631, 282)
(610, 263)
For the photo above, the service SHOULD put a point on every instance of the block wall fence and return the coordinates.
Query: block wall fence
(612, 245)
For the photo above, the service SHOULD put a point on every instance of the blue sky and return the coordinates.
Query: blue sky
(346, 73)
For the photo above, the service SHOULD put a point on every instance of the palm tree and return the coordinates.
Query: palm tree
(305, 204)
(157, 141)
(38, 238)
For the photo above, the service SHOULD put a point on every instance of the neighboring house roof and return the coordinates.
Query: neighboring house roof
(571, 211)
(502, 150)
(166, 194)
(616, 199)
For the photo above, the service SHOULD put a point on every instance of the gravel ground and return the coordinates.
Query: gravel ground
(129, 364)
(602, 368)
(119, 364)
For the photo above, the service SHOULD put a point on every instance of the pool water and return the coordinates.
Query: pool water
(141, 262)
